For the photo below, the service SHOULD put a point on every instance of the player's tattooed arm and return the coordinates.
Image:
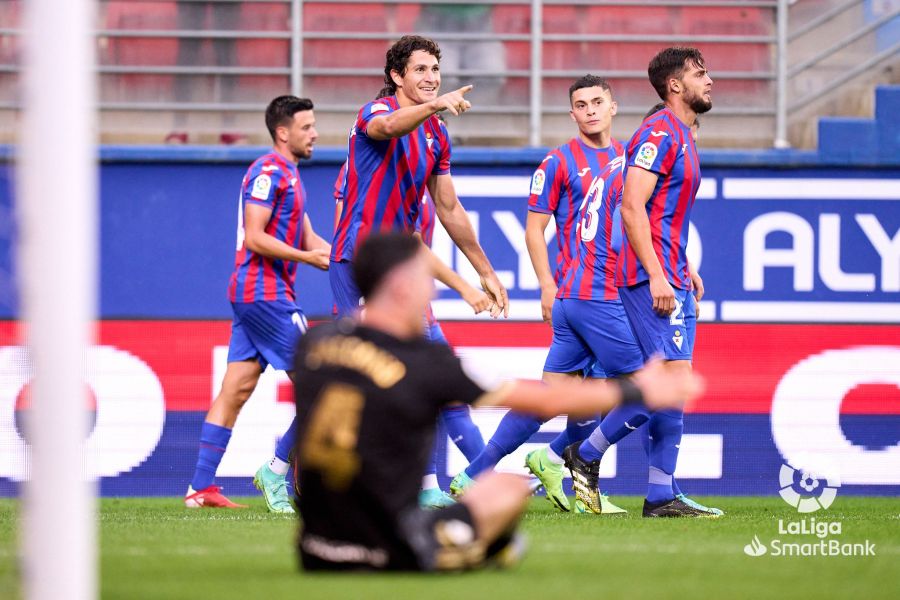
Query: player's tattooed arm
(453, 217)
(478, 300)
(405, 120)
(256, 217)
(639, 186)
(535, 225)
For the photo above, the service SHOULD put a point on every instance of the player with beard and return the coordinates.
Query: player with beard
(661, 179)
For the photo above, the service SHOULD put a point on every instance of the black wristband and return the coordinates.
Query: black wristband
(631, 394)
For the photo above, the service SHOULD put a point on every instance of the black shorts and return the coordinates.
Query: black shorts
(426, 540)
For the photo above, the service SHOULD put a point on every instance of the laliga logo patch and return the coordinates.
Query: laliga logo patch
(261, 187)
(646, 154)
(678, 338)
(537, 182)
(808, 488)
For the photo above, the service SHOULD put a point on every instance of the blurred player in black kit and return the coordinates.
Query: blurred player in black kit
(368, 394)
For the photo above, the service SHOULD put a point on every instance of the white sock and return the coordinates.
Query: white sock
(278, 466)
(553, 457)
(429, 482)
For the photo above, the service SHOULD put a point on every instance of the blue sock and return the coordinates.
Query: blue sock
(576, 430)
(213, 442)
(665, 427)
(463, 431)
(660, 487)
(287, 441)
(620, 422)
(645, 442)
(513, 431)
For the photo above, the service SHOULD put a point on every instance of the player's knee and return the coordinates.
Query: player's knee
(237, 391)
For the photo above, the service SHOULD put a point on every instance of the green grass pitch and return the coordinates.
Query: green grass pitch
(154, 548)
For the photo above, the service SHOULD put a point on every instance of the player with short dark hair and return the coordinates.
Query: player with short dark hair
(456, 420)
(274, 234)
(397, 148)
(368, 394)
(558, 190)
(661, 178)
(623, 420)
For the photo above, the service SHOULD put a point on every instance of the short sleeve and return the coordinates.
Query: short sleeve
(263, 186)
(654, 149)
(443, 159)
(544, 197)
(376, 108)
(450, 382)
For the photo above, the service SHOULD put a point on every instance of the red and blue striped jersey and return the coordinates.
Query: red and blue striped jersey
(386, 178)
(559, 186)
(273, 182)
(663, 145)
(592, 273)
(339, 185)
(425, 221)
(425, 228)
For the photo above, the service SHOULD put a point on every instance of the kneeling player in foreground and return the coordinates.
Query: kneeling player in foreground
(368, 395)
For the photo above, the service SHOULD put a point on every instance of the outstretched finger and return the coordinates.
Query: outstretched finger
(465, 89)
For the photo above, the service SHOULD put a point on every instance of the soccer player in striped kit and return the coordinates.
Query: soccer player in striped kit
(558, 189)
(274, 234)
(592, 276)
(661, 179)
(456, 419)
(397, 148)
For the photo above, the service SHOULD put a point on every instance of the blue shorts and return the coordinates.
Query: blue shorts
(585, 331)
(670, 337)
(434, 333)
(343, 288)
(267, 332)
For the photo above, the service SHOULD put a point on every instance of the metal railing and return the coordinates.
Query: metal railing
(773, 40)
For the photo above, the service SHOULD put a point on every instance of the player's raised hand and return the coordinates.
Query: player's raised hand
(500, 299)
(548, 297)
(454, 101)
(663, 296)
(478, 300)
(318, 258)
(663, 387)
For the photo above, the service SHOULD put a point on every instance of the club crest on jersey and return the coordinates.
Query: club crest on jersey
(678, 339)
(537, 182)
(262, 185)
(428, 139)
(379, 107)
(646, 154)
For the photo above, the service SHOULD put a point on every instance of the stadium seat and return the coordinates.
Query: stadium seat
(264, 52)
(130, 51)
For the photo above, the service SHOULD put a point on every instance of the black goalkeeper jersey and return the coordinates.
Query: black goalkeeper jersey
(367, 404)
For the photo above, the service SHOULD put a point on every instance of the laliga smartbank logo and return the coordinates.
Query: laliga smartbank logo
(809, 484)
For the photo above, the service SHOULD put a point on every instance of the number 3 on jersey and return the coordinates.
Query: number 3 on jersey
(590, 222)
